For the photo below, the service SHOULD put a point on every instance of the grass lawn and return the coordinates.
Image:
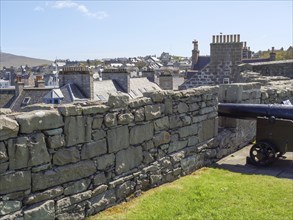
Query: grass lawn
(211, 193)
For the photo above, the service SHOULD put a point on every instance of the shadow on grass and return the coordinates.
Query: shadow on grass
(281, 168)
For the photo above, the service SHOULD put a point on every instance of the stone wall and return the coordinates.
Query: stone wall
(274, 68)
(242, 131)
(274, 89)
(78, 160)
(75, 161)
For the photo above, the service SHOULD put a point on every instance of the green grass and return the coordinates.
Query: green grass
(211, 193)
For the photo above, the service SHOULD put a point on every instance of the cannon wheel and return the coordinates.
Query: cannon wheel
(262, 153)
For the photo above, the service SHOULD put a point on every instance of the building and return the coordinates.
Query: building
(227, 53)
(76, 84)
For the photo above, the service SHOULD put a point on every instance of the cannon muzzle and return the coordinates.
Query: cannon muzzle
(252, 111)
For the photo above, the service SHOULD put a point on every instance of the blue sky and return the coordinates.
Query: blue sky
(80, 30)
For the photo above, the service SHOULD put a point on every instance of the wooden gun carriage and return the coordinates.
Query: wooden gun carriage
(274, 128)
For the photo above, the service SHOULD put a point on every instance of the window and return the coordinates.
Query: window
(226, 81)
(26, 101)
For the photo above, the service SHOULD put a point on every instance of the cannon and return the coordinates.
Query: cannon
(274, 129)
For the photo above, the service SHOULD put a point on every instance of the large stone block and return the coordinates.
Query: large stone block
(101, 201)
(56, 141)
(125, 189)
(142, 101)
(98, 190)
(68, 201)
(44, 211)
(39, 120)
(139, 114)
(4, 167)
(118, 101)
(105, 161)
(230, 93)
(8, 128)
(162, 138)
(178, 145)
(110, 119)
(99, 179)
(3, 153)
(141, 133)
(126, 118)
(182, 107)
(28, 151)
(13, 182)
(70, 110)
(188, 130)
(179, 121)
(53, 131)
(208, 129)
(77, 187)
(48, 194)
(62, 174)
(93, 149)
(153, 111)
(128, 159)
(191, 163)
(96, 109)
(156, 96)
(7, 207)
(65, 156)
(77, 130)
(5, 111)
(118, 138)
(97, 122)
(161, 123)
(98, 134)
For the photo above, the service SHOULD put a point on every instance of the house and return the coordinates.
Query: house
(4, 83)
(228, 57)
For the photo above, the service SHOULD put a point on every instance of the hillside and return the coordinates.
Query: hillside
(280, 54)
(9, 60)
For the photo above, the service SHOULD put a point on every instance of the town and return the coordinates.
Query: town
(24, 87)
(79, 137)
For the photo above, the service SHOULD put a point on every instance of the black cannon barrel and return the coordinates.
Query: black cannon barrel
(252, 111)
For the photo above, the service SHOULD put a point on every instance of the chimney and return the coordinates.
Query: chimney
(195, 53)
(79, 76)
(273, 55)
(121, 76)
(18, 88)
(166, 81)
(149, 74)
(39, 82)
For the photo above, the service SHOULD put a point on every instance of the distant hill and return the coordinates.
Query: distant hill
(280, 54)
(9, 60)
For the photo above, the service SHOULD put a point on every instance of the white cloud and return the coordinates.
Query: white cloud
(79, 7)
(39, 8)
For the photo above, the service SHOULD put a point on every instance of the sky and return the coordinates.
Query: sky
(81, 30)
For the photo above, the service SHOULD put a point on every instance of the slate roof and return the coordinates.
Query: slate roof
(255, 60)
(102, 89)
(53, 94)
(202, 62)
(29, 96)
(140, 85)
(6, 97)
(72, 93)
(270, 62)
